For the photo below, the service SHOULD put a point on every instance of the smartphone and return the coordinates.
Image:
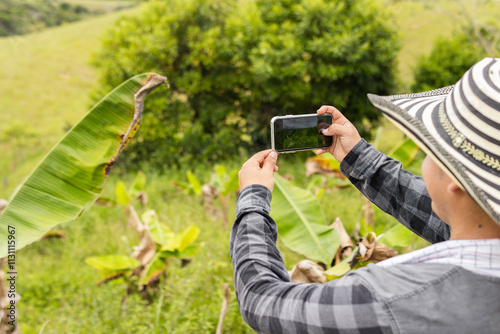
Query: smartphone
(295, 133)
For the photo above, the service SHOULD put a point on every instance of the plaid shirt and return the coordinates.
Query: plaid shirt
(270, 303)
(394, 190)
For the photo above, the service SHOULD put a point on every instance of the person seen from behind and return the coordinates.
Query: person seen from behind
(452, 286)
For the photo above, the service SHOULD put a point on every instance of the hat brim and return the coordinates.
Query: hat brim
(420, 117)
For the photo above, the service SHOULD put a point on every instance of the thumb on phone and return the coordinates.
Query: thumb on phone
(270, 161)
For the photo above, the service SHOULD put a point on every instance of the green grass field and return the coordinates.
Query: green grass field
(419, 27)
(58, 287)
(100, 5)
(45, 83)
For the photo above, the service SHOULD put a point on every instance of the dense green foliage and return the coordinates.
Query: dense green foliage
(19, 17)
(235, 64)
(446, 64)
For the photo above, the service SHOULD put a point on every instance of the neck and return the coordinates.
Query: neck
(473, 224)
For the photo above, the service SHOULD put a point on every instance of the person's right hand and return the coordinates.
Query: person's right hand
(345, 135)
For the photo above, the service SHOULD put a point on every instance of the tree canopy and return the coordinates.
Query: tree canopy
(445, 65)
(233, 65)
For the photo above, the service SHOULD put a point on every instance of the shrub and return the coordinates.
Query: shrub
(448, 61)
(233, 65)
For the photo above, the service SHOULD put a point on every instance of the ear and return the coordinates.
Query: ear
(453, 187)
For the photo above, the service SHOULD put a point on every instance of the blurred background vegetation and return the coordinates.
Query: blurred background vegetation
(232, 65)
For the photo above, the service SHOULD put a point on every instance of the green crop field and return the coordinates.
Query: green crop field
(46, 81)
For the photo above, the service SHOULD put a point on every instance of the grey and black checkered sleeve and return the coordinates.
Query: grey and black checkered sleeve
(270, 303)
(394, 190)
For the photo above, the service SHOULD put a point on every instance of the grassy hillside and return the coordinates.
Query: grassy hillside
(420, 24)
(106, 5)
(100, 5)
(46, 79)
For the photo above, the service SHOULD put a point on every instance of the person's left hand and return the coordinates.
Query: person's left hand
(259, 169)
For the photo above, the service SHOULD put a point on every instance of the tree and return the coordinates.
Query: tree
(477, 37)
(448, 61)
(235, 64)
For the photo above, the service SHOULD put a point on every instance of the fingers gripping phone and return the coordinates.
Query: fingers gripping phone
(295, 133)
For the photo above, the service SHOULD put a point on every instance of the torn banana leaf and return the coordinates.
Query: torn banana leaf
(70, 178)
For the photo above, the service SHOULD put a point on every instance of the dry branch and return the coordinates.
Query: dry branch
(368, 213)
(225, 307)
(346, 246)
(146, 249)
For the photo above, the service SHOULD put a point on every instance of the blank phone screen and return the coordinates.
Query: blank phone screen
(298, 133)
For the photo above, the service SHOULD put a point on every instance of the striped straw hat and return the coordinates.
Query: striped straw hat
(459, 126)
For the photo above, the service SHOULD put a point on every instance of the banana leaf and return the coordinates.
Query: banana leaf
(71, 177)
(111, 263)
(338, 270)
(121, 194)
(182, 240)
(398, 235)
(156, 267)
(195, 183)
(405, 152)
(301, 222)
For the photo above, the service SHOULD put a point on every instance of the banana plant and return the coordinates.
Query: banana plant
(167, 245)
(192, 187)
(126, 195)
(405, 152)
(225, 183)
(303, 228)
(301, 222)
(222, 184)
(371, 249)
(71, 177)
(135, 190)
